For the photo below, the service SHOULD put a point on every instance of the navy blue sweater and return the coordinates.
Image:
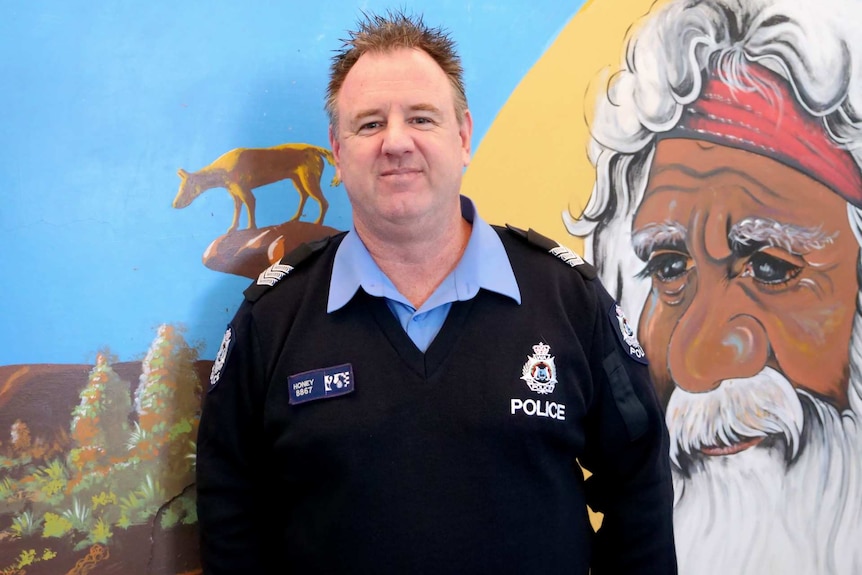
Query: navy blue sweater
(330, 444)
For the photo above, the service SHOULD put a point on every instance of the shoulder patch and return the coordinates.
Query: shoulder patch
(279, 270)
(625, 334)
(221, 357)
(273, 274)
(563, 253)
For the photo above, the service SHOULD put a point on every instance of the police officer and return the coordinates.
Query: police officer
(416, 395)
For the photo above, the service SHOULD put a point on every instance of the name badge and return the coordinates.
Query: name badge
(320, 383)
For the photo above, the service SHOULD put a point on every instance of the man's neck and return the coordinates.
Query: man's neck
(418, 263)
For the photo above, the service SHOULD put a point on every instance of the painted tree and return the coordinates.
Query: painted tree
(166, 402)
(20, 436)
(100, 421)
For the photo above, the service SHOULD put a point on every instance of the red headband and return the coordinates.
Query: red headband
(769, 121)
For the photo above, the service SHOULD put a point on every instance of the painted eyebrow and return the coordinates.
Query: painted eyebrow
(667, 233)
(753, 233)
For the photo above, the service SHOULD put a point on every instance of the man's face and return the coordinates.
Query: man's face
(399, 147)
(753, 266)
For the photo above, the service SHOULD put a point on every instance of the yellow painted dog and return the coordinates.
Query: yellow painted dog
(243, 169)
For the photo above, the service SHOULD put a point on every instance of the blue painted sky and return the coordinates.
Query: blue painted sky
(103, 102)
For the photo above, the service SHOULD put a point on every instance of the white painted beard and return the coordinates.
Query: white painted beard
(792, 504)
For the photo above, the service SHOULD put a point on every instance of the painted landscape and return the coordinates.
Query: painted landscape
(98, 463)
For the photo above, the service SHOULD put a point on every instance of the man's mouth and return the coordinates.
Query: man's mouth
(715, 450)
(399, 172)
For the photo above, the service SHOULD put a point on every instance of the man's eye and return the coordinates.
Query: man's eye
(667, 266)
(770, 270)
(369, 126)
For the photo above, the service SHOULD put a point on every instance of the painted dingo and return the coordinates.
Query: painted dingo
(241, 170)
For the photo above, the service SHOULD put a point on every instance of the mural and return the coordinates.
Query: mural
(703, 153)
(725, 216)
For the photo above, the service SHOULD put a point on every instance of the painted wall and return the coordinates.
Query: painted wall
(129, 132)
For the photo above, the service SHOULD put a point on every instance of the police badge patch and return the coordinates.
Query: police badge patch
(626, 334)
(221, 357)
(539, 372)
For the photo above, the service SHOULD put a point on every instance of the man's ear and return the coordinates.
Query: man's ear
(466, 134)
(335, 146)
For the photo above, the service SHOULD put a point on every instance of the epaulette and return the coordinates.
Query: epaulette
(565, 255)
(277, 271)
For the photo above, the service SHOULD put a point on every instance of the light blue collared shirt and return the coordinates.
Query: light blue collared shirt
(484, 264)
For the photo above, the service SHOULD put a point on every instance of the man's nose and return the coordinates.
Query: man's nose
(397, 138)
(716, 338)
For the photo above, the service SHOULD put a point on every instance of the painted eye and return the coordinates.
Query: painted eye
(770, 270)
(667, 266)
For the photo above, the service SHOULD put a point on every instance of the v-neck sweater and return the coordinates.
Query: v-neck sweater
(448, 461)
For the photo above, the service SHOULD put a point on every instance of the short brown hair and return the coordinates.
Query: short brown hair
(384, 33)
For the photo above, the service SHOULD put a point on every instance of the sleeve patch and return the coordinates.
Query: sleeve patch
(625, 334)
(221, 357)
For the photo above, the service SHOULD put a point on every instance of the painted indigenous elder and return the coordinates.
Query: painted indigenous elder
(726, 218)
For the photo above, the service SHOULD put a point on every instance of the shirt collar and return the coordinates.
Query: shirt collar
(484, 264)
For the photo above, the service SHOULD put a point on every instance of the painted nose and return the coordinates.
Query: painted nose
(715, 340)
